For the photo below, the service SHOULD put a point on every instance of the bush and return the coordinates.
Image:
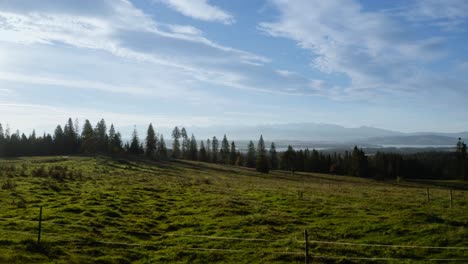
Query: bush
(8, 185)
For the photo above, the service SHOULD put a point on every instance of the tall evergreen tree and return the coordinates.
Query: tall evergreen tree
(214, 150)
(202, 155)
(162, 149)
(151, 141)
(59, 145)
(209, 153)
(193, 148)
(70, 138)
(87, 138)
(135, 147)
(233, 154)
(101, 137)
(288, 159)
(274, 163)
(2, 142)
(462, 159)
(115, 141)
(176, 143)
(262, 158)
(251, 155)
(185, 144)
(224, 152)
(359, 164)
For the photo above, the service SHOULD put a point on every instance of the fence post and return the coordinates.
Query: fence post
(451, 199)
(40, 225)
(306, 238)
(428, 197)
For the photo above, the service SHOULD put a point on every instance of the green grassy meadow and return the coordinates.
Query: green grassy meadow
(103, 210)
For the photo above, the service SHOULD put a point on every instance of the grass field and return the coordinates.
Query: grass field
(99, 210)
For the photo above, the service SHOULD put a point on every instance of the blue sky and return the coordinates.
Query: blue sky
(399, 65)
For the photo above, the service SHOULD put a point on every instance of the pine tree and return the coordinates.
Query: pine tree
(162, 149)
(262, 158)
(462, 159)
(87, 138)
(209, 153)
(193, 148)
(70, 139)
(288, 159)
(274, 163)
(2, 142)
(251, 155)
(115, 140)
(359, 164)
(134, 147)
(233, 154)
(202, 155)
(224, 152)
(214, 150)
(101, 137)
(150, 141)
(59, 145)
(185, 144)
(176, 143)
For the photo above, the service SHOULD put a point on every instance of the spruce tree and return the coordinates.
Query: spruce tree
(134, 147)
(87, 138)
(202, 155)
(150, 141)
(274, 163)
(359, 164)
(162, 149)
(115, 140)
(462, 159)
(251, 155)
(209, 153)
(288, 159)
(233, 154)
(176, 143)
(70, 139)
(101, 137)
(193, 148)
(185, 144)
(2, 142)
(224, 152)
(214, 149)
(59, 145)
(262, 158)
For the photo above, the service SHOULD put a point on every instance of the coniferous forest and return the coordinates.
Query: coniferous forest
(71, 139)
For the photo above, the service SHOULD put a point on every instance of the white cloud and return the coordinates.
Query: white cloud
(181, 47)
(200, 9)
(372, 49)
(285, 73)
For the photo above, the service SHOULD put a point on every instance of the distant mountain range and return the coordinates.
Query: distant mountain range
(316, 133)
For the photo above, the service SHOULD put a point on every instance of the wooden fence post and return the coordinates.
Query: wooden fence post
(40, 225)
(306, 238)
(451, 199)
(428, 197)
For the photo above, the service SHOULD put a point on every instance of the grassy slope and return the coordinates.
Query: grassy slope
(124, 201)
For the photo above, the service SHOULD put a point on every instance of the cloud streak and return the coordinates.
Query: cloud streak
(200, 9)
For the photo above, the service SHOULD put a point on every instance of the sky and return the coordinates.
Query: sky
(399, 65)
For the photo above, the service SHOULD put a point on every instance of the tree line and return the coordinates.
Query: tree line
(88, 140)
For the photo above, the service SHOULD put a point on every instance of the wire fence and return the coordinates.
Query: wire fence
(303, 243)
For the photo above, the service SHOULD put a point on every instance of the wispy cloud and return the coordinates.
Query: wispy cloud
(372, 49)
(200, 9)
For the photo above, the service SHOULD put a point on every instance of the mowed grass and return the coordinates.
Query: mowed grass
(100, 210)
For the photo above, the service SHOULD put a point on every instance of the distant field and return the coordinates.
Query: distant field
(99, 210)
